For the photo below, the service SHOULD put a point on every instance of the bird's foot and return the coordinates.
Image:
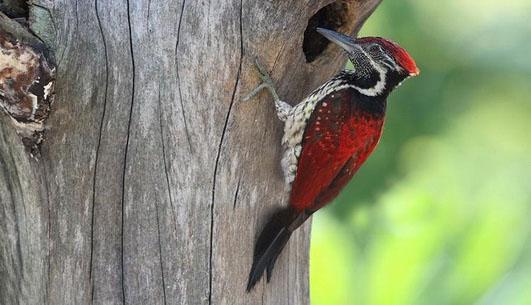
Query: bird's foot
(267, 83)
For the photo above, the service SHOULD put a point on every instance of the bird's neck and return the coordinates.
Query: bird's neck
(349, 83)
(372, 80)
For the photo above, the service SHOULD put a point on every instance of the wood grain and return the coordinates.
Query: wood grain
(155, 179)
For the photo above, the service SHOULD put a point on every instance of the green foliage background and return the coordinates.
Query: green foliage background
(441, 213)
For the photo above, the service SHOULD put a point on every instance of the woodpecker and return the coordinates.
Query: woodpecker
(329, 135)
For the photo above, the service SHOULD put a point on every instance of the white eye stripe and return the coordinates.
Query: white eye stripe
(387, 60)
(388, 64)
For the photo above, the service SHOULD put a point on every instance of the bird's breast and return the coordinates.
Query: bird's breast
(339, 136)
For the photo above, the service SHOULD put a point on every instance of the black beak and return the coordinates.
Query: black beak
(344, 41)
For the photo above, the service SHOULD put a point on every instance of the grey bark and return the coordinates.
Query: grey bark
(154, 179)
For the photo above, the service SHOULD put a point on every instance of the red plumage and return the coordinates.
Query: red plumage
(339, 137)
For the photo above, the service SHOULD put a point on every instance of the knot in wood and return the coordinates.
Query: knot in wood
(26, 85)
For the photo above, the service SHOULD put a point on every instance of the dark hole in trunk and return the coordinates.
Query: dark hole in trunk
(16, 9)
(332, 17)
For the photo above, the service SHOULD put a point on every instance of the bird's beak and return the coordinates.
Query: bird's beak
(344, 41)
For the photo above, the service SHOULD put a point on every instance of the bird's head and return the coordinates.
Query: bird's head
(377, 61)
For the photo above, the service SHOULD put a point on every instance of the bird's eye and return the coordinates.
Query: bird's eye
(375, 48)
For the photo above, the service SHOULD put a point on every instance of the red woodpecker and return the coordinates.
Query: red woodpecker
(329, 135)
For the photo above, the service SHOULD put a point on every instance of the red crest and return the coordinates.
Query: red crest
(400, 55)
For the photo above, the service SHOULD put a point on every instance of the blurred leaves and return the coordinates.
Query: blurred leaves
(441, 213)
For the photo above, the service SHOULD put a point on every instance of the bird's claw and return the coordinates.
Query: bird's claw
(267, 82)
(264, 74)
(253, 93)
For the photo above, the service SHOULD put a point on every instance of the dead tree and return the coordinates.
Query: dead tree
(130, 171)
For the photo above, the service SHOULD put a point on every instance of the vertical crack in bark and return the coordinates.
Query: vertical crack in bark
(160, 254)
(127, 139)
(186, 130)
(236, 193)
(98, 148)
(219, 155)
(164, 159)
(179, 78)
(169, 193)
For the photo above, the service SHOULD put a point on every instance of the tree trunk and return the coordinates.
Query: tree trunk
(153, 178)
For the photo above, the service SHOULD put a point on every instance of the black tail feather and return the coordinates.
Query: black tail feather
(267, 259)
(271, 265)
(271, 241)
